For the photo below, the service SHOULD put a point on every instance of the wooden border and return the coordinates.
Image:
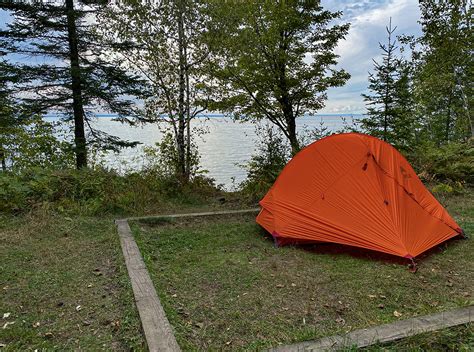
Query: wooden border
(159, 333)
(186, 215)
(385, 333)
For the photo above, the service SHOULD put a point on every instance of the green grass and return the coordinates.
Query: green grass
(225, 286)
(51, 265)
(459, 338)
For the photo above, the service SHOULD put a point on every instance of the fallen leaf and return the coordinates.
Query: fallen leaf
(340, 321)
(6, 315)
(372, 296)
(174, 295)
(8, 323)
(89, 286)
(466, 294)
(383, 297)
(48, 335)
(381, 306)
(280, 286)
(78, 308)
(37, 324)
(228, 343)
(199, 325)
(397, 314)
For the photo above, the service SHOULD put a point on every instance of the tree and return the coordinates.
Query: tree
(406, 126)
(161, 41)
(274, 59)
(444, 67)
(7, 114)
(25, 140)
(72, 74)
(381, 109)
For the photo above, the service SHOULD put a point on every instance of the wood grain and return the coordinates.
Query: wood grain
(209, 213)
(386, 332)
(158, 332)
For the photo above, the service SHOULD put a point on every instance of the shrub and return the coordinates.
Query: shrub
(453, 162)
(266, 164)
(97, 191)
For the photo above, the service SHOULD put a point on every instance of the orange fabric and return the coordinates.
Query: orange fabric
(356, 190)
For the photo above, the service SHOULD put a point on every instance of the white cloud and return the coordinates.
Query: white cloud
(368, 20)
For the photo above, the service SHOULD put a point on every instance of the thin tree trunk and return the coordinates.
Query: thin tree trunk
(77, 103)
(181, 100)
(188, 113)
(2, 158)
(448, 120)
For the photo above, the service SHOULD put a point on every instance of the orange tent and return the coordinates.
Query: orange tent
(355, 190)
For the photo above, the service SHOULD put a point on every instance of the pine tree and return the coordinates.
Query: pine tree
(405, 125)
(381, 104)
(70, 69)
(444, 67)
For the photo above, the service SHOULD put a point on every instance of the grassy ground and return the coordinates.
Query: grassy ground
(459, 338)
(64, 286)
(225, 286)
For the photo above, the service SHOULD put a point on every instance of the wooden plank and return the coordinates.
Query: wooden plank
(158, 332)
(386, 332)
(209, 213)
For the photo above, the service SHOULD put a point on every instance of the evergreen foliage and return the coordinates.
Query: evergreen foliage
(390, 108)
(69, 70)
(443, 70)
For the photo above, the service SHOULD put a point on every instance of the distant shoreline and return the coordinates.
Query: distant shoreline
(211, 115)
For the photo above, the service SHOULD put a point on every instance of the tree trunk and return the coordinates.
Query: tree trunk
(188, 113)
(448, 120)
(285, 100)
(181, 145)
(2, 158)
(77, 103)
(295, 145)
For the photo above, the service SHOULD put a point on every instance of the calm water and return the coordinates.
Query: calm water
(226, 145)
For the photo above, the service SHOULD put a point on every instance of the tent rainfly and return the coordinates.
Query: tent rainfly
(356, 190)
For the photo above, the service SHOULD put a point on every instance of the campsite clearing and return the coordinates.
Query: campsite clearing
(223, 284)
(64, 285)
(53, 263)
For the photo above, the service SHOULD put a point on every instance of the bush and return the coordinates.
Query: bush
(265, 166)
(97, 191)
(453, 162)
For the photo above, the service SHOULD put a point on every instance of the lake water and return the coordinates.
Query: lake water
(227, 144)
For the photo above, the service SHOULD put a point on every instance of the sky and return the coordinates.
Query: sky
(368, 20)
